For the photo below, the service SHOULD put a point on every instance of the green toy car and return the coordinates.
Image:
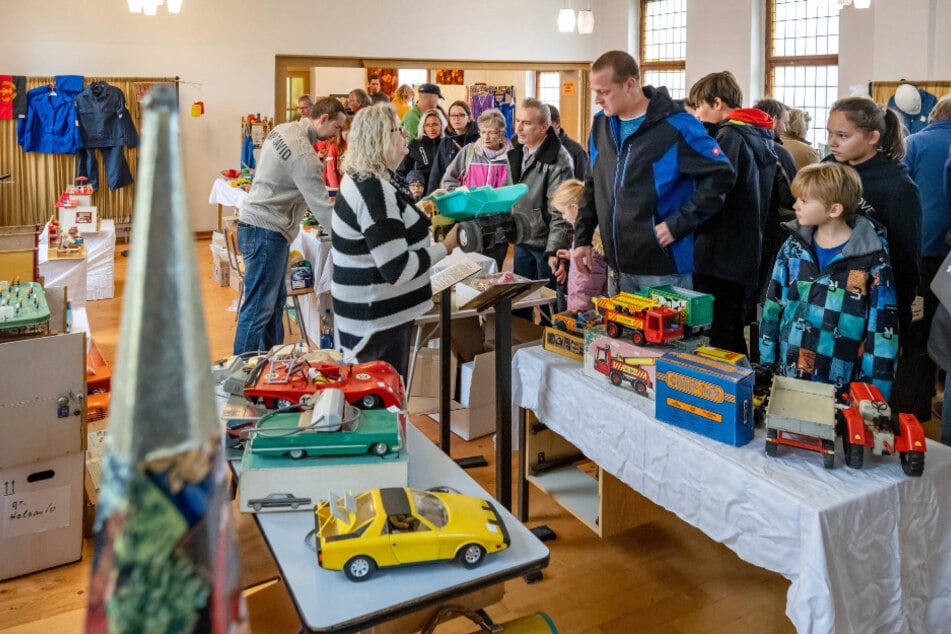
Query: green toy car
(483, 215)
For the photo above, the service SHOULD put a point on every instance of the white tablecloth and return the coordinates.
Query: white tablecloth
(317, 250)
(92, 278)
(224, 194)
(866, 550)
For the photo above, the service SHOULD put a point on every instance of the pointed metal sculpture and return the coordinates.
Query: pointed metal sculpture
(165, 558)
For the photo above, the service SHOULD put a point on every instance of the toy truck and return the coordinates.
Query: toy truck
(619, 369)
(483, 214)
(696, 309)
(869, 422)
(641, 316)
(575, 320)
(801, 414)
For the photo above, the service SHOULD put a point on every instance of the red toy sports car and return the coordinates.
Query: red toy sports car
(282, 381)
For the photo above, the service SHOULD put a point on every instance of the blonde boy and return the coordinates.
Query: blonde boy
(830, 312)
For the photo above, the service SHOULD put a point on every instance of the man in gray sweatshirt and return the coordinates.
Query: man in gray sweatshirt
(287, 182)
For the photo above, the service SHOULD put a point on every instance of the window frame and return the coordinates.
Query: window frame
(773, 61)
(660, 65)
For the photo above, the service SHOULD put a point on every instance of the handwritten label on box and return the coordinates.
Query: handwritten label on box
(35, 512)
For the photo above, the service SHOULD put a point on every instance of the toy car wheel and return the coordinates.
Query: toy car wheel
(257, 506)
(828, 459)
(854, 453)
(771, 447)
(615, 378)
(470, 236)
(637, 337)
(283, 403)
(560, 325)
(613, 330)
(296, 454)
(371, 401)
(521, 228)
(379, 449)
(359, 568)
(471, 555)
(912, 463)
(640, 387)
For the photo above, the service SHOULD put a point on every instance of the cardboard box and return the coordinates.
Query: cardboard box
(313, 479)
(39, 372)
(42, 521)
(567, 344)
(621, 363)
(425, 387)
(221, 269)
(708, 397)
(86, 218)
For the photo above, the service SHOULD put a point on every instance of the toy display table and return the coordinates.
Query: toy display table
(317, 301)
(224, 195)
(92, 277)
(327, 601)
(865, 550)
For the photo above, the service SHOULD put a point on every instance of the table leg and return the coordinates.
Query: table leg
(219, 217)
(300, 320)
(522, 466)
(503, 402)
(445, 382)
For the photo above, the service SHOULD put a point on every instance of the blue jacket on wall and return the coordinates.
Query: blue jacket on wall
(50, 122)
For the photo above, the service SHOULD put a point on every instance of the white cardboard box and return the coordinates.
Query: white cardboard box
(424, 390)
(314, 479)
(86, 218)
(38, 373)
(42, 521)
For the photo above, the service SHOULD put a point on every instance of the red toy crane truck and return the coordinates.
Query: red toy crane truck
(619, 369)
(646, 321)
(868, 422)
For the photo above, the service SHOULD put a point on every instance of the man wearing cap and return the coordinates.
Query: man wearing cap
(429, 97)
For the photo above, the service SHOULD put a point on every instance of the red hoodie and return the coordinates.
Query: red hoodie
(752, 116)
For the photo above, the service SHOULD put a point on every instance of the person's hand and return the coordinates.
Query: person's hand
(664, 237)
(582, 259)
(451, 241)
(561, 274)
(441, 190)
(564, 254)
(322, 155)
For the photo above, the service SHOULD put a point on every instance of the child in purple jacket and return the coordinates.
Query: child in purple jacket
(581, 286)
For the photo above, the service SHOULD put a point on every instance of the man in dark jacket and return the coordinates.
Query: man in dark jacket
(729, 245)
(655, 176)
(578, 155)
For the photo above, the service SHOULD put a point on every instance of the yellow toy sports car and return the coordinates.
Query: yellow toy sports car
(398, 526)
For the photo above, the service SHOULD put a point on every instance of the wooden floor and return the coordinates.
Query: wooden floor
(663, 577)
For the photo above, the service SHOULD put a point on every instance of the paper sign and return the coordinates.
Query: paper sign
(568, 88)
(35, 512)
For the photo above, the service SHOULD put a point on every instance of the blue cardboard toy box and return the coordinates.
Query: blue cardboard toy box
(706, 396)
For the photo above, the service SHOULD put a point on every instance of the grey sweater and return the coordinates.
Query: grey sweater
(287, 182)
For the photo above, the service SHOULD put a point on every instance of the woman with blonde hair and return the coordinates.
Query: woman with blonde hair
(403, 100)
(423, 149)
(582, 287)
(380, 245)
(794, 139)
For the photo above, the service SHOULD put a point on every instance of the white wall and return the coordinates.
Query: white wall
(229, 49)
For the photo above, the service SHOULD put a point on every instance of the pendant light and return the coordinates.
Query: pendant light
(174, 6)
(862, 4)
(135, 6)
(586, 22)
(566, 19)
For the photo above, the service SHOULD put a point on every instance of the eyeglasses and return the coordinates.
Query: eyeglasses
(459, 115)
(490, 132)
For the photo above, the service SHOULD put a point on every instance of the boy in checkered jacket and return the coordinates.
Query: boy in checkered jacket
(830, 313)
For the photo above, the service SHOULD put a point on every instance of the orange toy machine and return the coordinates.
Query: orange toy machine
(98, 384)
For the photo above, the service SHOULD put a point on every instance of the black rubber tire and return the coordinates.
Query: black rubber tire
(371, 401)
(296, 454)
(359, 568)
(613, 329)
(640, 387)
(379, 449)
(912, 463)
(638, 338)
(615, 378)
(521, 229)
(562, 326)
(772, 448)
(470, 236)
(471, 555)
(854, 453)
(828, 459)
(281, 403)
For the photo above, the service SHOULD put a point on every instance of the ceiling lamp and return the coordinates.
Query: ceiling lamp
(174, 6)
(586, 22)
(135, 6)
(863, 4)
(150, 7)
(566, 20)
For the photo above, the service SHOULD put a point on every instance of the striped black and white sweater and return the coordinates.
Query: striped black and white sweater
(382, 256)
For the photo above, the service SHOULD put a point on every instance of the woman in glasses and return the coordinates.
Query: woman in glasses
(462, 131)
(422, 149)
(380, 245)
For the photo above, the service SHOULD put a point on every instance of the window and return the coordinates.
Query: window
(549, 88)
(802, 58)
(664, 45)
(412, 76)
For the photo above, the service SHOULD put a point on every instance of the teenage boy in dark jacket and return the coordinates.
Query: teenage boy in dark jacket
(729, 245)
(655, 176)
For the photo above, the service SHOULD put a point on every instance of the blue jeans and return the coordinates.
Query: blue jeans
(946, 412)
(630, 283)
(260, 323)
(531, 263)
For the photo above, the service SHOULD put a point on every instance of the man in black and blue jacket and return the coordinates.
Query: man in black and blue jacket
(655, 176)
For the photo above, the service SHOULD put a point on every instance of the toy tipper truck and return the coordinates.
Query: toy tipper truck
(619, 369)
(801, 414)
(646, 321)
(869, 422)
(696, 309)
(483, 215)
